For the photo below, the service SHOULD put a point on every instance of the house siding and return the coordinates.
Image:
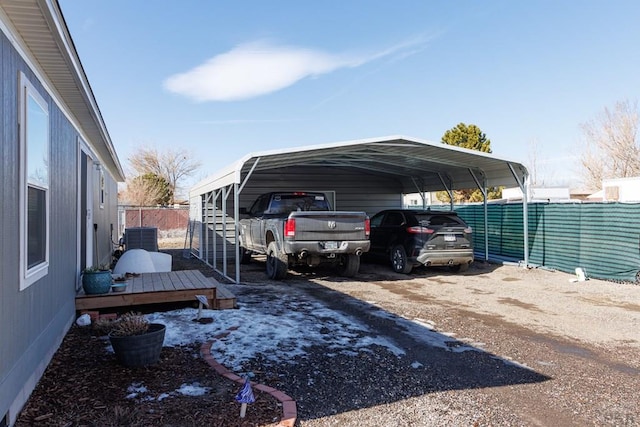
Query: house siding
(34, 321)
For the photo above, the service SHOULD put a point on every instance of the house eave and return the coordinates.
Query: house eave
(38, 30)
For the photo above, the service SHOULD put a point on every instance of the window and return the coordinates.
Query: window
(34, 184)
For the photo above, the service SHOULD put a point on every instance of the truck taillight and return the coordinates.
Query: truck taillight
(290, 228)
(367, 227)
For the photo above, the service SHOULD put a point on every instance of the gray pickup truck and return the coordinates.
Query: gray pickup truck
(299, 228)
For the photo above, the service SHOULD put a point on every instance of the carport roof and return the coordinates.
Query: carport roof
(419, 165)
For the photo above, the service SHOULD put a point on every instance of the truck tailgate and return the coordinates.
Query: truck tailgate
(329, 226)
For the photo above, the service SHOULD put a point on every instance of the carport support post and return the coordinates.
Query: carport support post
(224, 230)
(207, 222)
(236, 216)
(214, 247)
(448, 189)
(525, 219)
(486, 222)
(483, 189)
(524, 187)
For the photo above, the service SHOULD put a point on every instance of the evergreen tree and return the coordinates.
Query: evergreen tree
(472, 138)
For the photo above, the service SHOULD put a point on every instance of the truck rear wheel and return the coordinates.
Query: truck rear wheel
(348, 265)
(277, 263)
(245, 255)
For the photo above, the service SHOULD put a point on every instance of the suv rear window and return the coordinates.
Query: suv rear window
(438, 220)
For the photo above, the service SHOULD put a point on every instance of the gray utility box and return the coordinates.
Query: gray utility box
(141, 238)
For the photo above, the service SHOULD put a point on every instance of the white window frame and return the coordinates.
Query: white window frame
(29, 276)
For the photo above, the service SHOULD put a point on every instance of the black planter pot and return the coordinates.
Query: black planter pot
(139, 350)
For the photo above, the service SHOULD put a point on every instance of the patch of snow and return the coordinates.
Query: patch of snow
(193, 389)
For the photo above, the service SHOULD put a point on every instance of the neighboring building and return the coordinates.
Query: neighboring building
(512, 194)
(538, 194)
(419, 200)
(584, 194)
(59, 191)
(621, 190)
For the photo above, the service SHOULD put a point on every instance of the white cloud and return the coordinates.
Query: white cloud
(259, 68)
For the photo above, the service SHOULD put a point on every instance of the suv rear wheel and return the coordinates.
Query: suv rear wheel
(399, 260)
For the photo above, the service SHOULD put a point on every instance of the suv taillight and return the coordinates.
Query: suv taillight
(367, 227)
(290, 227)
(419, 230)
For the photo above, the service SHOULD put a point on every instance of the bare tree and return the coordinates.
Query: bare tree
(172, 165)
(147, 190)
(534, 154)
(611, 147)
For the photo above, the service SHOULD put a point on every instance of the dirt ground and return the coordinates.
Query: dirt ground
(550, 352)
(583, 337)
(597, 312)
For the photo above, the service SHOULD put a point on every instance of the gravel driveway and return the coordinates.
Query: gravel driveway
(513, 346)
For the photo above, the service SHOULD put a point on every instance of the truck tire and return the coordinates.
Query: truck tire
(245, 255)
(277, 263)
(400, 261)
(348, 265)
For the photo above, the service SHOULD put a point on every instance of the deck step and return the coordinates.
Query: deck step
(225, 299)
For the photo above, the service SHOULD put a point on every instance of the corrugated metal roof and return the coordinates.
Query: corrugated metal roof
(419, 165)
(43, 32)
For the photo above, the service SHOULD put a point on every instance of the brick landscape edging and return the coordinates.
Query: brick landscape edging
(289, 409)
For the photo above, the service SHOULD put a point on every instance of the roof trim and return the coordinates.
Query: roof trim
(408, 159)
(33, 27)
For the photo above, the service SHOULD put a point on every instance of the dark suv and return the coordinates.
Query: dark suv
(409, 238)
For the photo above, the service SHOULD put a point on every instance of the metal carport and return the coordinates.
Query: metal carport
(364, 175)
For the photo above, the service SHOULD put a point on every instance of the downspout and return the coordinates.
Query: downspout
(483, 189)
(524, 187)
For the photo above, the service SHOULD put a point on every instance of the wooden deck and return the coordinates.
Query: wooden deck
(155, 288)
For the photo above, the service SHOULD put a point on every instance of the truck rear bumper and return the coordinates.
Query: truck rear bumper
(326, 248)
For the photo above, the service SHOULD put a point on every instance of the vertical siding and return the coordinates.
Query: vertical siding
(33, 321)
(354, 191)
(8, 212)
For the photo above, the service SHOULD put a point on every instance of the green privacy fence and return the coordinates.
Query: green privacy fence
(601, 238)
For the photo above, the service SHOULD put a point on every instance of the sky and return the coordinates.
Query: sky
(221, 80)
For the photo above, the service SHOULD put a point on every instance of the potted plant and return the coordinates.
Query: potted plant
(96, 280)
(135, 341)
